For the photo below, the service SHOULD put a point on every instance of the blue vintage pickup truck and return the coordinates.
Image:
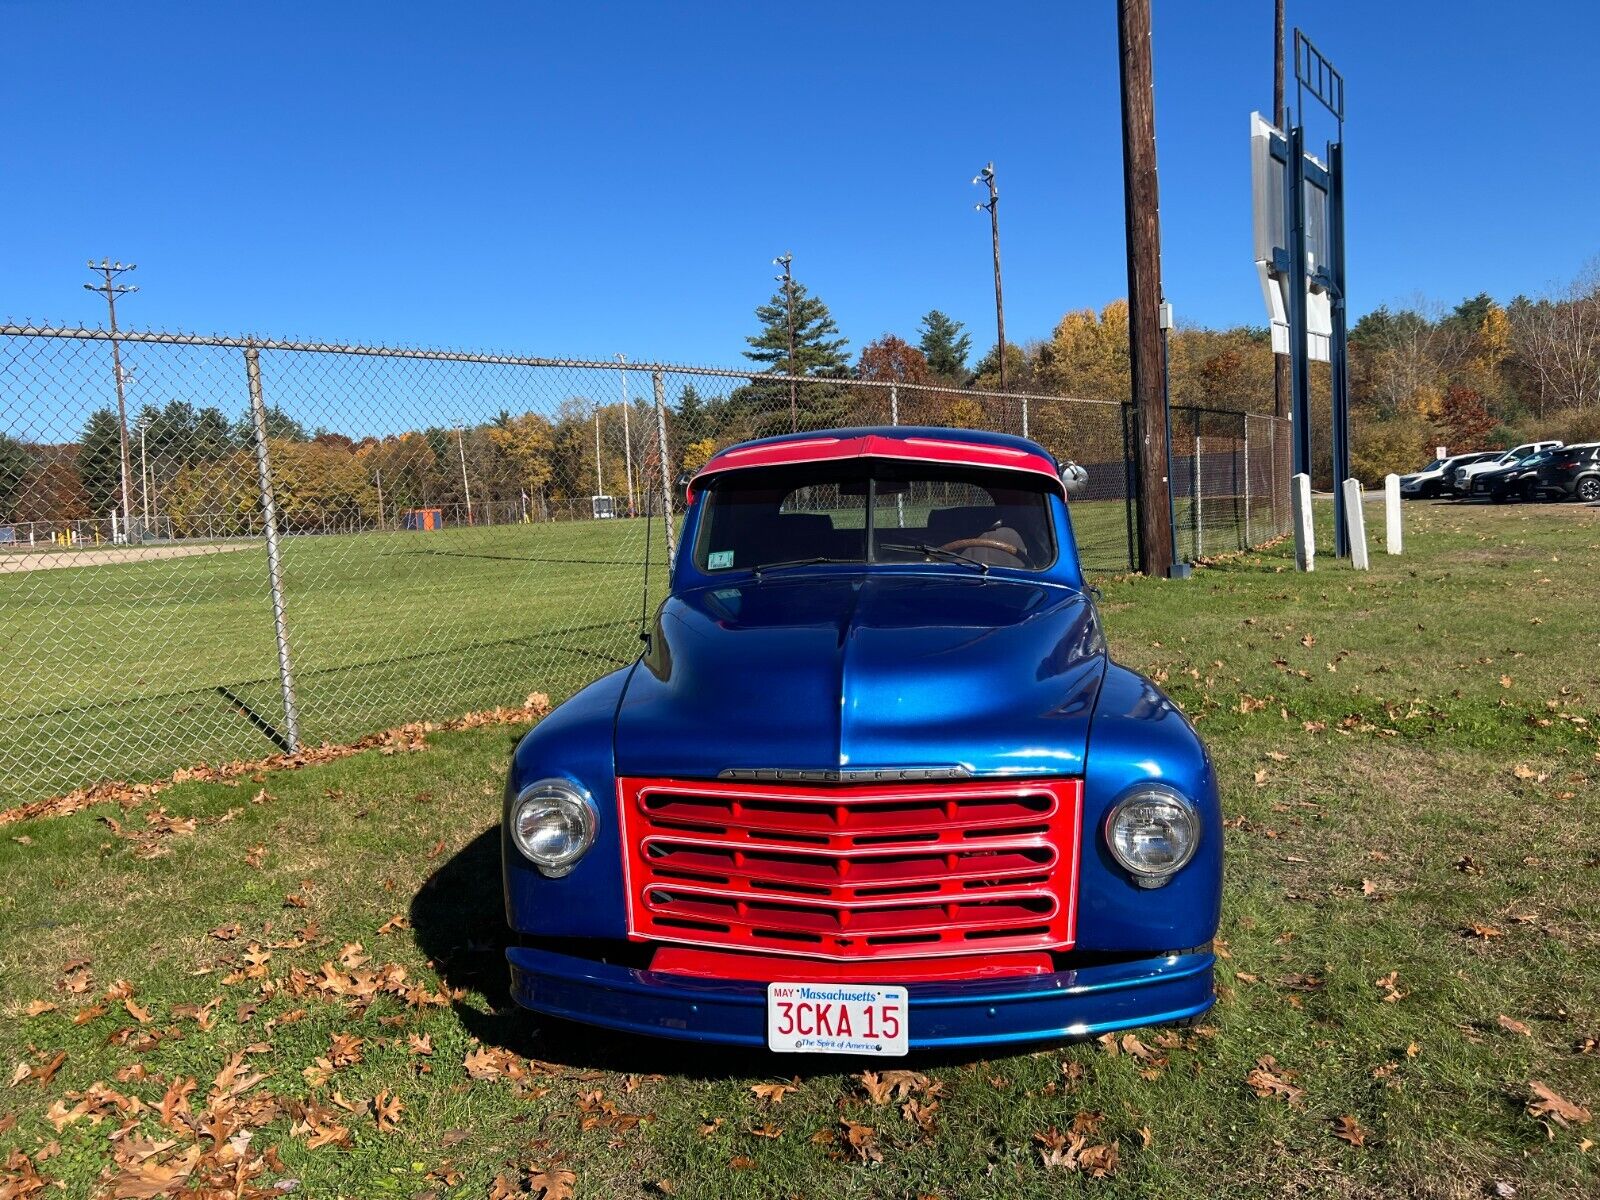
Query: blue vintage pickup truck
(874, 785)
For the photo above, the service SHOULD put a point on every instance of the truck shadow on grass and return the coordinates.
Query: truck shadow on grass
(458, 920)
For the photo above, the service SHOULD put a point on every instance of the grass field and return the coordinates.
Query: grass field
(1412, 969)
(129, 670)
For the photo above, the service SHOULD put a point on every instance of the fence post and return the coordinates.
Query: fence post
(1277, 494)
(1237, 524)
(1248, 540)
(1196, 516)
(269, 518)
(667, 482)
(894, 405)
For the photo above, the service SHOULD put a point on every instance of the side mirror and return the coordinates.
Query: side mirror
(1074, 479)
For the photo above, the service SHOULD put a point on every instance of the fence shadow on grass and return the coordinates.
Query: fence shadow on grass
(458, 919)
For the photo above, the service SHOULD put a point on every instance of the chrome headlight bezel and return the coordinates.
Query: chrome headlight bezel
(569, 802)
(1151, 795)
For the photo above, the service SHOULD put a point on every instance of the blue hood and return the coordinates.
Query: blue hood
(863, 670)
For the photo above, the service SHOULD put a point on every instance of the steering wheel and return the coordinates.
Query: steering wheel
(983, 543)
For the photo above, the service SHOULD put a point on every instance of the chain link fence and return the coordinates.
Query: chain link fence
(240, 544)
(1229, 489)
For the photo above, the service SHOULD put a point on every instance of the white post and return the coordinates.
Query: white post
(1195, 511)
(1305, 542)
(1441, 452)
(1393, 535)
(1356, 521)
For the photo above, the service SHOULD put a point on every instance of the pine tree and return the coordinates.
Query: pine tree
(213, 438)
(15, 463)
(945, 345)
(694, 417)
(100, 462)
(281, 427)
(817, 351)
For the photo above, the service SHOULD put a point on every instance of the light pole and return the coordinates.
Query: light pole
(461, 449)
(627, 438)
(986, 176)
(144, 470)
(787, 279)
(111, 289)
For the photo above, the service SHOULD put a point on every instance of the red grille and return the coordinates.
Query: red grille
(853, 870)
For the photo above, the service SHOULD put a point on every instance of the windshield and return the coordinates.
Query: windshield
(874, 510)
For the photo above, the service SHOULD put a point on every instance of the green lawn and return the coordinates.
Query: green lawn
(131, 670)
(1408, 761)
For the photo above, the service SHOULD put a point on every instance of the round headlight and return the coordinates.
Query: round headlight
(553, 825)
(1152, 832)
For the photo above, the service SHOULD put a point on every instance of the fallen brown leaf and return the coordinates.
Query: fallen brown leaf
(1348, 1129)
(773, 1093)
(1546, 1103)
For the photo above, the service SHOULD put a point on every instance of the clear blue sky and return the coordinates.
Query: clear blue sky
(587, 178)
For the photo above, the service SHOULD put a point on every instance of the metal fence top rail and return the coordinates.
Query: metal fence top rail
(224, 341)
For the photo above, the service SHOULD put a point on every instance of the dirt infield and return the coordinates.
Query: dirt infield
(50, 559)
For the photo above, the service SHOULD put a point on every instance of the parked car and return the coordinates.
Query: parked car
(1509, 482)
(875, 784)
(1434, 479)
(1572, 472)
(1461, 477)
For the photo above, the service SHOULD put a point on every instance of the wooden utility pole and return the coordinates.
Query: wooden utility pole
(111, 289)
(986, 176)
(1144, 284)
(787, 279)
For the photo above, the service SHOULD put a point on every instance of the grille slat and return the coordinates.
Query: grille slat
(850, 871)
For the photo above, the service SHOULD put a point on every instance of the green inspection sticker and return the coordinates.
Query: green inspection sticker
(719, 558)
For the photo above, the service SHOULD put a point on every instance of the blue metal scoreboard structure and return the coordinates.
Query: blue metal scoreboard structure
(1298, 202)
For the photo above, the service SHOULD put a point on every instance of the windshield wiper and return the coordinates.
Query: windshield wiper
(794, 562)
(936, 552)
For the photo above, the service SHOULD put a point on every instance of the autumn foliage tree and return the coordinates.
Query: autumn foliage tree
(1464, 423)
(1087, 355)
(892, 359)
(526, 443)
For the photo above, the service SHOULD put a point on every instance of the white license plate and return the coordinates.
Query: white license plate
(836, 1018)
